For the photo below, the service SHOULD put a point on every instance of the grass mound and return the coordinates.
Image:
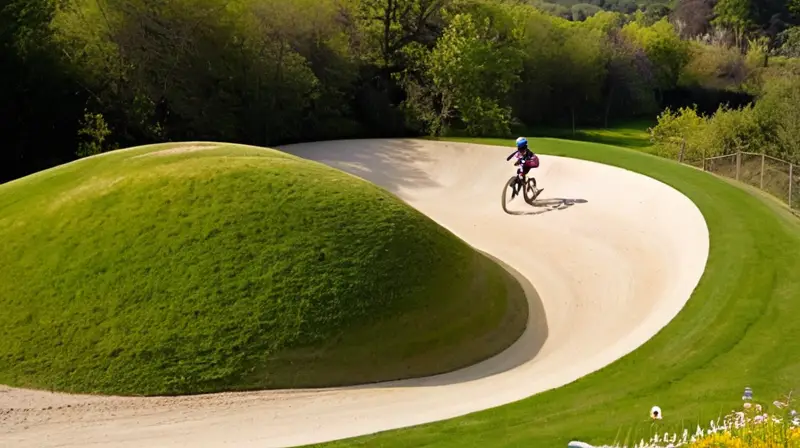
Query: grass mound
(188, 269)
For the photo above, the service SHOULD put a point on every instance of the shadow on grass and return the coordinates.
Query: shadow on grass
(631, 134)
(524, 349)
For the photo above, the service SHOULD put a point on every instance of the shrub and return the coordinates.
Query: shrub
(732, 130)
(680, 133)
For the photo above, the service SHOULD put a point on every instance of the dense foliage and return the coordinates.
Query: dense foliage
(86, 76)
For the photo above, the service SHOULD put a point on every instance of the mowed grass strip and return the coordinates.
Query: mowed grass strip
(200, 268)
(740, 328)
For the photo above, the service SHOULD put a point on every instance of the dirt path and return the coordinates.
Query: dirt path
(609, 247)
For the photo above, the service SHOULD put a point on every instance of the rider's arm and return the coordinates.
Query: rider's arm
(512, 155)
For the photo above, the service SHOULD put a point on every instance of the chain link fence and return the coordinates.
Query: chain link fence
(774, 176)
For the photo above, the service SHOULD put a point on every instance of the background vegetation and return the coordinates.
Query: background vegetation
(86, 76)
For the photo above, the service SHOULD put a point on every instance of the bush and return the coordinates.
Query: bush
(680, 134)
(714, 66)
(777, 109)
(732, 130)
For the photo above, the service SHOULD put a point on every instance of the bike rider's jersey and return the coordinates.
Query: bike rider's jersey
(523, 155)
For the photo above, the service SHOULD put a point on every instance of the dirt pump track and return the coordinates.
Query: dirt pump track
(608, 257)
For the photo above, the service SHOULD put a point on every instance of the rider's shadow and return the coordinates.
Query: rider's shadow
(548, 205)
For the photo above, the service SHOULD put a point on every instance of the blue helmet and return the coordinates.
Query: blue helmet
(522, 141)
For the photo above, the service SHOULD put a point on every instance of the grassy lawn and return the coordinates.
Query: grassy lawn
(629, 134)
(740, 328)
(148, 272)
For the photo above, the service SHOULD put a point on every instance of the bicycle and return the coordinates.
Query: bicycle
(528, 186)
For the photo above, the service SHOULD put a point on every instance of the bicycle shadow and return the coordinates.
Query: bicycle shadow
(552, 204)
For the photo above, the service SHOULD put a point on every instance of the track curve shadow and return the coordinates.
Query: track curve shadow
(525, 348)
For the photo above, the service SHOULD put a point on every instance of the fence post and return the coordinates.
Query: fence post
(738, 163)
(763, 157)
(791, 184)
(704, 158)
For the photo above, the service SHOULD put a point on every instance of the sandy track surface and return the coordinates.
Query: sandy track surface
(605, 248)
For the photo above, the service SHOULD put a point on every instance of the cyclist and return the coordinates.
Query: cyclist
(526, 159)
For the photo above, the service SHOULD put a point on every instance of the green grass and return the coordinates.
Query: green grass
(631, 134)
(233, 268)
(740, 328)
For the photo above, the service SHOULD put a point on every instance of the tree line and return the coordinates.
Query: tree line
(87, 76)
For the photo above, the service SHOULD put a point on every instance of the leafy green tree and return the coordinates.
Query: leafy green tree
(735, 15)
(663, 47)
(390, 25)
(582, 11)
(583, 70)
(793, 6)
(629, 78)
(472, 70)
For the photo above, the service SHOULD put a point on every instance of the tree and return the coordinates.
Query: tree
(793, 6)
(390, 25)
(472, 69)
(41, 98)
(693, 17)
(629, 79)
(663, 47)
(735, 15)
(583, 70)
(582, 11)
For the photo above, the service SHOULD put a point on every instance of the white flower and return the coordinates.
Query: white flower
(778, 404)
(758, 408)
(747, 405)
(655, 413)
(576, 444)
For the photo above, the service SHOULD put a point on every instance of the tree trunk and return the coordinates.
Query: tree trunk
(572, 111)
(608, 106)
